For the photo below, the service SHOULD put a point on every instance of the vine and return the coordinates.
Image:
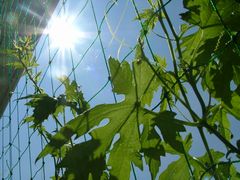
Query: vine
(203, 59)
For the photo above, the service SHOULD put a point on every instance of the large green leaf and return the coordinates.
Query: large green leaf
(138, 86)
(126, 116)
(211, 44)
(206, 21)
(206, 37)
(219, 76)
(203, 14)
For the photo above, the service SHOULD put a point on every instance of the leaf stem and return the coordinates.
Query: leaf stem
(57, 121)
(185, 154)
(188, 162)
(199, 97)
(207, 149)
(134, 173)
(216, 164)
(190, 80)
(221, 138)
(137, 103)
(180, 56)
(29, 75)
(156, 70)
(173, 55)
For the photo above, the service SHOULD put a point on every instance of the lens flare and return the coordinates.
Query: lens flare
(63, 33)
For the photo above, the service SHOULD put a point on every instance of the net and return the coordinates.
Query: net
(104, 28)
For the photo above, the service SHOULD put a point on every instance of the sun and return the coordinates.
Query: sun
(63, 33)
(65, 37)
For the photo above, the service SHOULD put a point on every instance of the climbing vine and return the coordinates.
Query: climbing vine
(205, 61)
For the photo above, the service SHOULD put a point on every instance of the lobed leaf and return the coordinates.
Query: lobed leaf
(124, 119)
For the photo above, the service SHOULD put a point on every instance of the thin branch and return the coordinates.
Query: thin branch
(189, 77)
(221, 138)
(162, 37)
(29, 75)
(174, 59)
(206, 146)
(216, 164)
(190, 80)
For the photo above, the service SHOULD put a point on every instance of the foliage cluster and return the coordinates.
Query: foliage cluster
(206, 67)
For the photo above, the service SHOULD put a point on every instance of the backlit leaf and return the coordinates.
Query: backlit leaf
(79, 162)
(203, 167)
(43, 105)
(124, 119)
(170, 129)
(219, 118)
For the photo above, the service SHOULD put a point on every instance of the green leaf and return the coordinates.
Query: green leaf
(150, 19)
(234, 174)
(128, 146)
(218, 81)
(138, 86)
(61, 138)
(203, 14)
(200, 14)
(187, 143)
(146, 84)
(203, 167)
(161, 61)
(121, 74)
(219, 118)
(8, 52)
(15, 64)
(210, 44)
(234, 107)
(208, 27)
(43, 105)
(170, 129)
(215, 154)
(223, 170)
(183, 29)
(152, 148)
(236, 74)
(79, 162)
(221, 71)
(164, 99)
(74, 96)
(37, 77)
(176, 170)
